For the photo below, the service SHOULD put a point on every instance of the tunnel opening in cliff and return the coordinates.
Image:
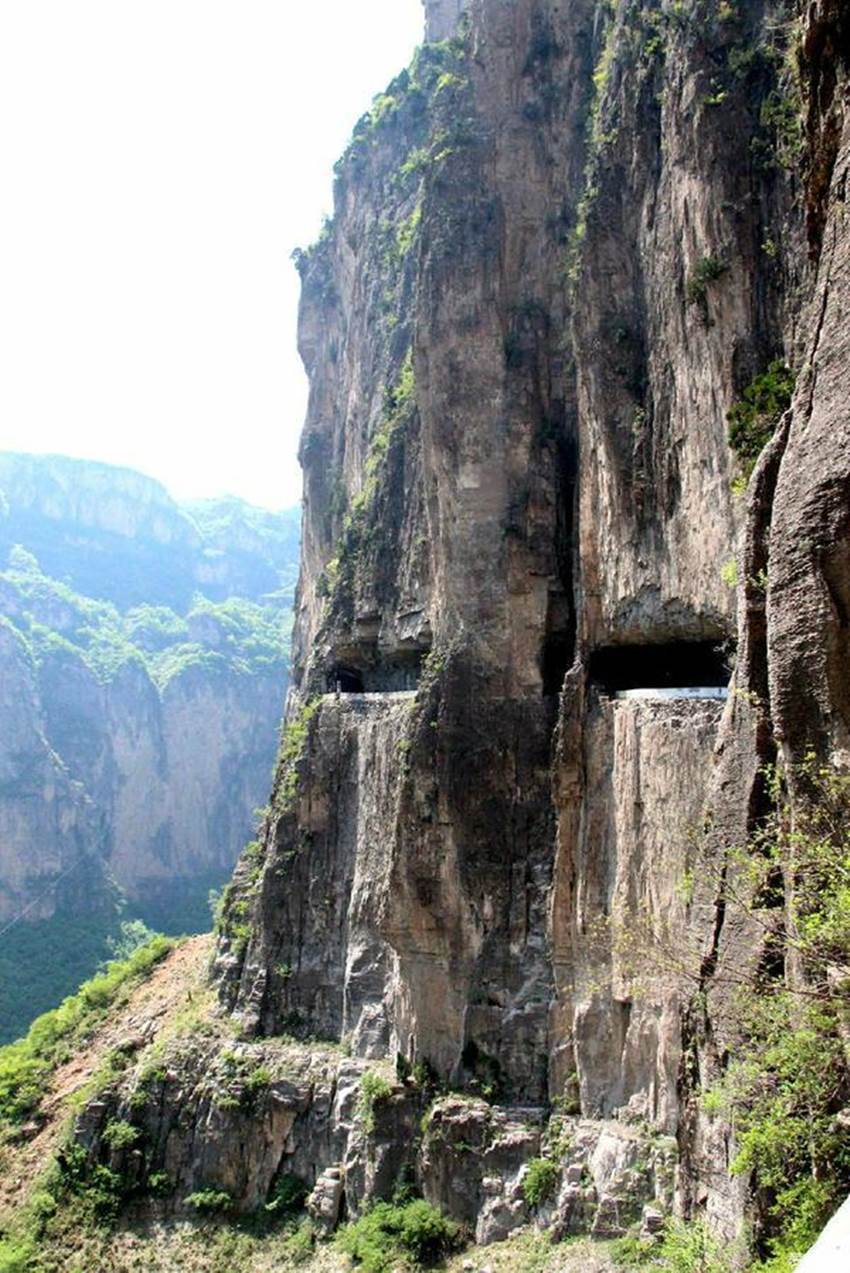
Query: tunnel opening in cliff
(671, 665)
(399, 672)
(346, 680)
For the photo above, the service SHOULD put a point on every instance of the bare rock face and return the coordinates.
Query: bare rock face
(809, 583)
(512, 771)
(109, 755)
(623, 857)
(42, 806)
(441, 18)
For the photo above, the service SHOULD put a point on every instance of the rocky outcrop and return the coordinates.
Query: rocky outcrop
(441, 18)
(249, 1120)
(566, 241)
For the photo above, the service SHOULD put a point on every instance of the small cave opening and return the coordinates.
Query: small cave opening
(691, 665)
(345, 680)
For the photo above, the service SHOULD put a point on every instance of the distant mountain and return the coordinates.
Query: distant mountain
(143, 666)
(117, 535)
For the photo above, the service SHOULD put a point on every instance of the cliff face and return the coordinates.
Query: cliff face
(40, 804)
(513, 473)
(565, 244)
(174, 774)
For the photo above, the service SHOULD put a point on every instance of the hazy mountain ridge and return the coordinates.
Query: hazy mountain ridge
(136, 737)
(117, 535)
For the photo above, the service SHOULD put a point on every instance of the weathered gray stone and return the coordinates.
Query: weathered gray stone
(325, 1201)
(485, 866)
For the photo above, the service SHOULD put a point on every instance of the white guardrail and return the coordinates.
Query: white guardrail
(686, 691)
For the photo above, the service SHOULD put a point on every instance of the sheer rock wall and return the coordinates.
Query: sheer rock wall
(561, 250)
(122, 782)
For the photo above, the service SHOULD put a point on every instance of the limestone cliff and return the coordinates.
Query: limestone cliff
(516, 465)
(566, 242)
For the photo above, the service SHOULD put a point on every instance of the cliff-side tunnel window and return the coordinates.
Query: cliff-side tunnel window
(345, 680)
(678, 665)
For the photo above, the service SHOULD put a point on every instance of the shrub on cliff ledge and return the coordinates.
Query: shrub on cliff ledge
(415, 1234)
(210, 1201)
(374, 1090)
(292, 743)
(753, 419)
(538, 1183)
(708, 269)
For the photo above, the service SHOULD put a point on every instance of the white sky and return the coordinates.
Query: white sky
(159, 160)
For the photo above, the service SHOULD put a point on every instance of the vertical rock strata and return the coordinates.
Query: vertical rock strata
(41, 804)
(564, 243)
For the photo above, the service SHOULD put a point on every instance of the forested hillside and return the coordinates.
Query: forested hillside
(143, 649)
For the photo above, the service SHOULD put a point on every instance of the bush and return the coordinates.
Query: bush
(256, 1083)
(17, 1255)
(753, 419)
(120, 1135)
(415, 1233)
(683, 1248)
(210, 1201)
(686, 1248)
(288, 1196)
(160, 1184)
(374, 1091)
(633, 1252)
(539, 1181)
(100, 1190)
(707, 270)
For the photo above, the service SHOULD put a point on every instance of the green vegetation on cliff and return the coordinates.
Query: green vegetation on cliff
(51, 1038)
(47, 959)
(390, 1235)
(237, 634)
(787, 1087)
(754, 417)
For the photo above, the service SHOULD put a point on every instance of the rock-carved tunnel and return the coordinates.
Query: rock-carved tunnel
(345, 680)
(685, 665)
(400, 672)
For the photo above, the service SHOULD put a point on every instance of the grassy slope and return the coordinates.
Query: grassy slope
(43, 1077)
